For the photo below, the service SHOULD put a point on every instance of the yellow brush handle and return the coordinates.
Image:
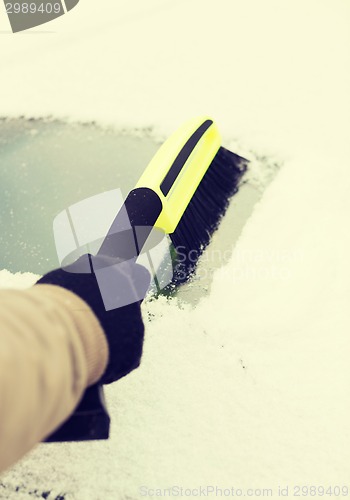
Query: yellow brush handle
(178, 167)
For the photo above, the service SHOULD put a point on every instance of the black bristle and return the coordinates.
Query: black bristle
(205, 211)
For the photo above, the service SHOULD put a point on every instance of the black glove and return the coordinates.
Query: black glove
(118, 286)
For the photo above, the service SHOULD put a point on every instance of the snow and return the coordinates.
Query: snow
(17, 280)
(251, 388)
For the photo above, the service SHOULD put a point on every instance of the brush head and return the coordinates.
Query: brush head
(184, 192)
(205, 210)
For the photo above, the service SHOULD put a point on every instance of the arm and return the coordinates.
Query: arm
(58, 338)
(51, 348)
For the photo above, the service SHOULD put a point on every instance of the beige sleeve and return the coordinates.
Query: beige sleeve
(51, 348)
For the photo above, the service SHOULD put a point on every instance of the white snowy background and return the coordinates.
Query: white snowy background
(251, 388)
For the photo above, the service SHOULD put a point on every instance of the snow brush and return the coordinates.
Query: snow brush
(184, 192)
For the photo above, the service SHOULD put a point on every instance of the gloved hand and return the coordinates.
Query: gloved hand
(104, 283)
